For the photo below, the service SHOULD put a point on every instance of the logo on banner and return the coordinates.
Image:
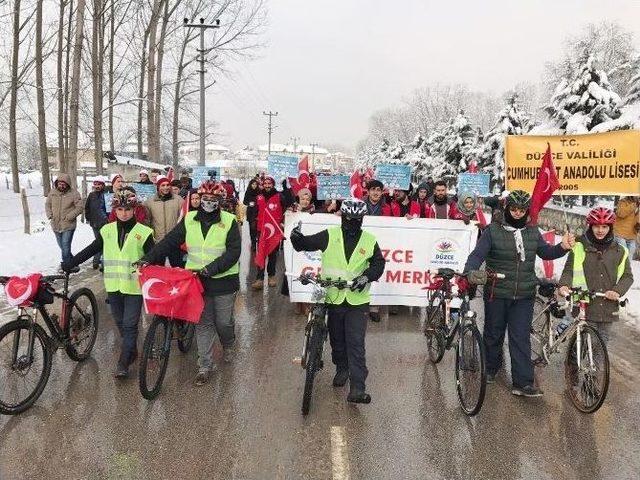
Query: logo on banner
(444, 254)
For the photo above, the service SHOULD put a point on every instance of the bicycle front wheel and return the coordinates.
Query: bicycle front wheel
(588, 384)
(155, 357)
(471, 374)
(22, 376)
(314, 360)
(81, 324)
(434, 332)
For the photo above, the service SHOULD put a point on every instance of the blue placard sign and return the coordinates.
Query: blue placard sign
(394, 176)
(476, 183)
(334, 187)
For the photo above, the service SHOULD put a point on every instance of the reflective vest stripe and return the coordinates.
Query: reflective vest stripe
(579, 257)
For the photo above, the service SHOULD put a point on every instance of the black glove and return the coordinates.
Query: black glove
(296, 233)
(477, 277)
(208, 271)
(140, 264)
(359, 283)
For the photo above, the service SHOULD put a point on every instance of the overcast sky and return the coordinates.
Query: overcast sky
(329, 64)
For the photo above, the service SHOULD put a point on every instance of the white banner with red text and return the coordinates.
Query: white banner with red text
(411, 249)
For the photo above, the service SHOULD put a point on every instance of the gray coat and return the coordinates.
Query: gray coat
(600, 270)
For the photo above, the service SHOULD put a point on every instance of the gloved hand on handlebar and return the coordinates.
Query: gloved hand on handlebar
(140, 264)
(359, 283)
(477, 277)
(296, 233)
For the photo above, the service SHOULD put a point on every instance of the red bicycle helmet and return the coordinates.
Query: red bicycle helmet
(601, 216)
(210, 187)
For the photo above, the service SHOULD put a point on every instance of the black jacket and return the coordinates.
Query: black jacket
(176, 237)
(95, 210)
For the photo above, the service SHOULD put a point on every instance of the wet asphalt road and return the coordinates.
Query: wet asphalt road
(246, 423)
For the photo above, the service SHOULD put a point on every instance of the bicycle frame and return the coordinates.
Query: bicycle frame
(465, 315)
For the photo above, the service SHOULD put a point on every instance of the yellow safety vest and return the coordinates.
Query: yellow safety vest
(579, 256)
(335, 265)
(202, 251)
(118, 273)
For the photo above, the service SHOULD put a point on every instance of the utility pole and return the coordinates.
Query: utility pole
(270, 127)
(295, 143)
(202, 26)
(313, 154)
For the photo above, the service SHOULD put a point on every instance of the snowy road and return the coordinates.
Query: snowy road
(246, 423)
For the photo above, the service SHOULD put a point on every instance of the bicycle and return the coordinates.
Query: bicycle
(26, 350)
(441, 333)
(587, 360)
(315, 331)
(156, 351)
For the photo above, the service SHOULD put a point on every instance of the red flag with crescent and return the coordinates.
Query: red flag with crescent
(550, 238)
(304, 179)
(174, 293)
(546, 183)
(356, 185)
(21, 291)
(270, 216)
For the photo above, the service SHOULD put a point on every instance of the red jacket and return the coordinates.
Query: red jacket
(452, 210)
(393, 209)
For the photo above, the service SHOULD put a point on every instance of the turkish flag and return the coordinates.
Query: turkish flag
(356, 185)
(546, 183)
(174, 293)
(473, 167)
(304, 179)
(170, 174)
(20, 291)
(270, 237)
(550, 238)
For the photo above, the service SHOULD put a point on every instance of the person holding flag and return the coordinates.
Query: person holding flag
(213, 244)
(122, 243)
(546, 183)
(271, 207)
(511, 248)
(353, 254)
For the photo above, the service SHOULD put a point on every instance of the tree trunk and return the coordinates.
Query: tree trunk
(97, 71)
(143, 62)
(66, 85)
(74, 101)
(42, 123)
(157, 120)
(175, 145)
(112, 38)
(62, 159)
(13, 140)
(151, 75)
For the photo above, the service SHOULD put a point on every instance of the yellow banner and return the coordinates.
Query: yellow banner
(592, 164)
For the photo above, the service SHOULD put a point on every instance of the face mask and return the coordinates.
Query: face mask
(351, 225)
(210, 205)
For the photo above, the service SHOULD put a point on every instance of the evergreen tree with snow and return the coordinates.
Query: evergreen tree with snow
(587, 100)
(453, 148)
(511, 121)
(633, 95)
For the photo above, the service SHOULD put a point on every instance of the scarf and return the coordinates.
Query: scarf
(517, 235)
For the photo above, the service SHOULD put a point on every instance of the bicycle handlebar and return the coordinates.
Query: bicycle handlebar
(583, 293)
(318, 280)
(450, 273)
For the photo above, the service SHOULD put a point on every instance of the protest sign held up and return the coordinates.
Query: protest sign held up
(394, 176)
(334, 187)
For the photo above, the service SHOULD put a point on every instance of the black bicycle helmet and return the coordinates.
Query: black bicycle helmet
(353, 208)
(519, 199)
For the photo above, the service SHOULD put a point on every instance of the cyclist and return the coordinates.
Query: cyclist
(349, 253)
(598, 263)
(122, 243)
(213, 245)
(511, 248)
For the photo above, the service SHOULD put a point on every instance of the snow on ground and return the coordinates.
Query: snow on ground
(22, 254)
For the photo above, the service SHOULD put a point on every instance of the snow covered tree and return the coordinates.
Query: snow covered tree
(452, 147)
(633, 93)
(585, 102)
(511, 121)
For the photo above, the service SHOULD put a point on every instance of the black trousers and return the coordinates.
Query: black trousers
(347, 330)
(271, 265)
(515, 316)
